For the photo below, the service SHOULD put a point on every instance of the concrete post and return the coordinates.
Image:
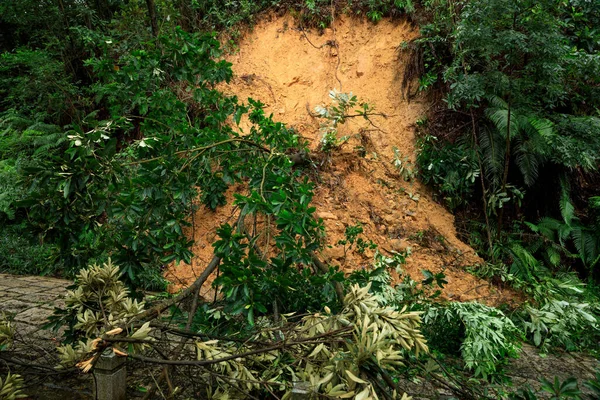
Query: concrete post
(111, 377)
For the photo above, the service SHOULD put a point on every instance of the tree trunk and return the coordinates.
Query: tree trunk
(506, 166)
(152, 14)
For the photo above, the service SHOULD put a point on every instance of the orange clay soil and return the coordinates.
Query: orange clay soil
(292, 73)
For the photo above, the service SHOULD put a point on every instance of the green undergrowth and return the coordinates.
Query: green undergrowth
(113, 132)
(513, 151)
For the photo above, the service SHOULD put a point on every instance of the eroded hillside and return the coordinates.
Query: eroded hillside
(291, 71)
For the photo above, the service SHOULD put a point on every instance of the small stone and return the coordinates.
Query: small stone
(399, 245)
(361, 66)
(326, 215)
(334, 253)
(389, 219)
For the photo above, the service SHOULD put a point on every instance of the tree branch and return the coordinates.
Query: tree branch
(193, 288)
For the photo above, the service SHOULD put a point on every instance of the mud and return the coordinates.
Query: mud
(291, 71)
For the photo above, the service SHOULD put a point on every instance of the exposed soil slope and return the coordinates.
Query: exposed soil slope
(292, 72)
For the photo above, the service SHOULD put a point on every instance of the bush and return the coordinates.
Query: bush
(450, 168)
(35, 84)
(490, 338)
(20, 253)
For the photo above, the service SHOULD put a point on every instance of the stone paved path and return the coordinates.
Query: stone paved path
(29, 300)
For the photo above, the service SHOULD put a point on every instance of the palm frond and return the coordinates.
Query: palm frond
(543, 126)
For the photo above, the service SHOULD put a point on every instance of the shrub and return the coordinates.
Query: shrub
(340, 354)
(490, 338)
(20, 253)
(450, 168)
(35, 84)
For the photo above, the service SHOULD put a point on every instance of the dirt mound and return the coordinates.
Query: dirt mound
(292, 71)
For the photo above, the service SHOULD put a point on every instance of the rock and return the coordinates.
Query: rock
(361, 67)
(399, 245)
(334, 253)
(326, 215)
(389, 219)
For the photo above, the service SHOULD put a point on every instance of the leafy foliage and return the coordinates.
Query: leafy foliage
(451, 168)
(113, 132)
(557, 390)
(561, 323)
(337, 113)
(99, 306)
(518, 78)
(489, 336)
(352, 237)
(118, 186)
(35, 83)
(337, 370)
(594, 384)
(483, 336)
(571, 233)
(374, 339)
(7, 332)
(10, 387)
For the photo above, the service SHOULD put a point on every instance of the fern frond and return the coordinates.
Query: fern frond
(524, 265)
(48, 142)
(548, 227)
(567, 210)
(492, 154)
(530, 148)
(543, 126)
(499, 117)
(497, 102)
(528, 163)
(586, 243)
(553, 255)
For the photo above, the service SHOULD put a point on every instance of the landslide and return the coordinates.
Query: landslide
(291, 71)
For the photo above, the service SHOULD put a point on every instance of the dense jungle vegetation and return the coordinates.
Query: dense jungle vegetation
(113, 131)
